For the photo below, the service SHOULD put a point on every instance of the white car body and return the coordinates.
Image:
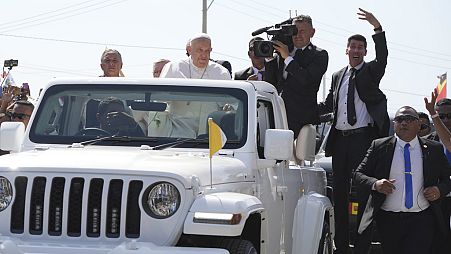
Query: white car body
(275, 201)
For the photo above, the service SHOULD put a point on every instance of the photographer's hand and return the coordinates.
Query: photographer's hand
(368, 16)
(281, 48)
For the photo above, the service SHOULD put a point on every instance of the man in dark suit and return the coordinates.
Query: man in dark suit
(442, 113)
(297, 74)
(257, 70)
(407, 176)
(360, 115)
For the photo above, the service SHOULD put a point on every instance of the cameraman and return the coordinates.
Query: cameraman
(297, 74)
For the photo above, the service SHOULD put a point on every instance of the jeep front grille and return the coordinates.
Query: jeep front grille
(75, 207)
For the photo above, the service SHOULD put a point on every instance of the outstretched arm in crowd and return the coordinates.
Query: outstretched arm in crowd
(7, 98)
(443, 132)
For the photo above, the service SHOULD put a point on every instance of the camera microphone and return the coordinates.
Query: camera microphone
(261, 30)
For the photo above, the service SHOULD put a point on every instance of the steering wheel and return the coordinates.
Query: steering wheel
(93, 132)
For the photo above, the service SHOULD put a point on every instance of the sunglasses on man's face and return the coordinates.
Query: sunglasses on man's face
(445, 115)
(424, 126)
(20, 116)
(406, 118)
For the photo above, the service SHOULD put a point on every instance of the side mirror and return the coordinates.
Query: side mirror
(11, 136)
(279, 144)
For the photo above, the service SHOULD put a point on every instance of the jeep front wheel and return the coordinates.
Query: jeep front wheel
(237, 246)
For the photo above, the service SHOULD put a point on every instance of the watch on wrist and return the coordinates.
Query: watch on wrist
(378, 29)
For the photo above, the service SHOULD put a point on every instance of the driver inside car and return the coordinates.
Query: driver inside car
(114, 120)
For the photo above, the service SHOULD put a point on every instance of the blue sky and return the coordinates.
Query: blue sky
(66, 38)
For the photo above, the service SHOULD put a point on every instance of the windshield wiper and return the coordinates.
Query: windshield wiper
(180, 142)
(117, 139)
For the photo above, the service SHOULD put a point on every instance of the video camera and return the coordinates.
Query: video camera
(11, 63)
(280, 32)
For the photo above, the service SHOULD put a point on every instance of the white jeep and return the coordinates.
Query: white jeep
(139, 179)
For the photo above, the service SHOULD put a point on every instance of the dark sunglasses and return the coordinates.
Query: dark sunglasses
(424, 126)
(407, 118)
(443, 116)
(21, 116)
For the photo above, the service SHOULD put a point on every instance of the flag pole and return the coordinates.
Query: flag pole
(216, 141)
(209, 154)
(211, 174)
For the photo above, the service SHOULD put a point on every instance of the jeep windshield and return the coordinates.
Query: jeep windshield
(147, 114)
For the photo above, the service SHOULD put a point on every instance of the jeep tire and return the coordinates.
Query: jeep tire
(237, 246)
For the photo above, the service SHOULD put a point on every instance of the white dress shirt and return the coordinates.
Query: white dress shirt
(258, 73)
(395, 202)
(186, 69)
(361, 112)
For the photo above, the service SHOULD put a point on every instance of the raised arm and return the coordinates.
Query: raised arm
(368, 16)
(443, 132)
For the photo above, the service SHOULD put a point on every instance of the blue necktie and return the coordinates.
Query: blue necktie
(448, 156)
(408, 177)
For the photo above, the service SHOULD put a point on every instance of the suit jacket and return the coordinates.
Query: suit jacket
(244, 74)
(433, 136)
(367, 86)
(377, 165)
(299, 90)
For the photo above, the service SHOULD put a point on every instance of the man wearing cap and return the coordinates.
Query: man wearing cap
(198, 64)
(257, 70)
(407, 176)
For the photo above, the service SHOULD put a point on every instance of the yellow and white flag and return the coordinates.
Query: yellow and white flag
(216, 138)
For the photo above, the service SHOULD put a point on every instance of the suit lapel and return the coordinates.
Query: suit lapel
(250, 71)
(389, 152)
(425, 153)
(340, 76)
(357, 86)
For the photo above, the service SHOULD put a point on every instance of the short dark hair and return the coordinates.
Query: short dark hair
(103, 105)
(302, 18)
(357, 37)
(254, 39)
(25, 103)
(424, 116)
(443, 102)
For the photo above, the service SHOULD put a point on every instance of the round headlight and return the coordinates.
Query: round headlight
(161, 200)
(6, 193)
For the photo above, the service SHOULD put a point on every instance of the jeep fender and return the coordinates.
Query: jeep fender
(308, 222)
(210, 214)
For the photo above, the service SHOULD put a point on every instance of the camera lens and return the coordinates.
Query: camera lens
(266, 48)
(263, 48)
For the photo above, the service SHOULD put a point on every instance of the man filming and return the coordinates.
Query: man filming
(297, 74)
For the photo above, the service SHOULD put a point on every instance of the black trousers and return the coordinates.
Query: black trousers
(406, 233)
(348, 153)
(442, 242)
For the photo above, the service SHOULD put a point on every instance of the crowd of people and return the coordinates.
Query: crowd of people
(404, 194)
(402, 180)
(16, 105)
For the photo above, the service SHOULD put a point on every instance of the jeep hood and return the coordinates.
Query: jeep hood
(180, 165)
